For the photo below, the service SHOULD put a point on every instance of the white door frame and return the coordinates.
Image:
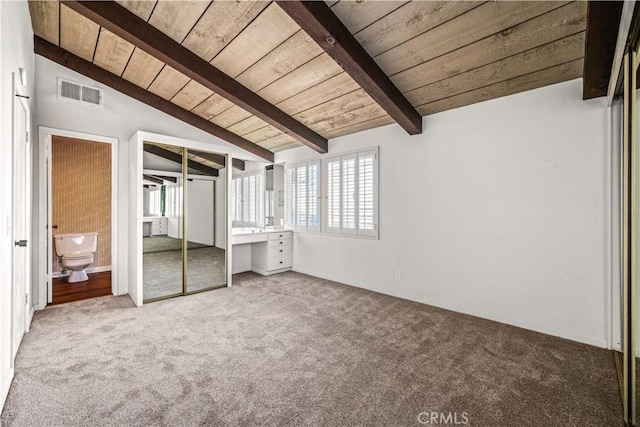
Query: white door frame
(45, 250)
(20, 97)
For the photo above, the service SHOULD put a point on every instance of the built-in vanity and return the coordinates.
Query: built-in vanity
(263, 251)
(262, 246)
(155, 226)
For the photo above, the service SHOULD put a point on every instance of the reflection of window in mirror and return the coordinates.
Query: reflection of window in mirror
(277, 195)
(268, 196)
(247, 200)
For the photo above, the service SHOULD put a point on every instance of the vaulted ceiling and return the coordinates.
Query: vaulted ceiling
(438, 55)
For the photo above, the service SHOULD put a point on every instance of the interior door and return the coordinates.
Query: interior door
(20, 261)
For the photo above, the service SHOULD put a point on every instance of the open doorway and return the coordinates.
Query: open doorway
(80, 239)
(80, 189)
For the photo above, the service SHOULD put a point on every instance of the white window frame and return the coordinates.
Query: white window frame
(325, 226)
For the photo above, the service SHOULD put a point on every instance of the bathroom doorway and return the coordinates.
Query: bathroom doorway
(80, 202)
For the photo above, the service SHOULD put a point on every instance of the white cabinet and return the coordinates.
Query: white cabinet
(274, 255)
(159, 226)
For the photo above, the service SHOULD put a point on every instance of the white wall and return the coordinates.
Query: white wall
(120, 117)
(221, 213)
(496, 210)
(16, 50)
(200, 213)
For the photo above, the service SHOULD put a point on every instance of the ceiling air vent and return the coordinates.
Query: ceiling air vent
(78, 92)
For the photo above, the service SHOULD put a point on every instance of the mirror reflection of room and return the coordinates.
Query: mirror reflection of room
(175, 207)
(162, 227)
(206, 256)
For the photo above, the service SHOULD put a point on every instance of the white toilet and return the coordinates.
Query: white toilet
(76, 252)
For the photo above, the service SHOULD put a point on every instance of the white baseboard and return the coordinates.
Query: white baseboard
(269, 273)
(473, 311)
(88, 270)
(4, 391)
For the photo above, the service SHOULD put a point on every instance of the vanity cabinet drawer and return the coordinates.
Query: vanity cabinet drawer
(278, 243)
(281, 261)
(159, 226)
(282, 235)
(279, 250)
(272, 254)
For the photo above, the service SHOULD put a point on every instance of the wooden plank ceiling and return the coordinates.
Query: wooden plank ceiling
(440, 54)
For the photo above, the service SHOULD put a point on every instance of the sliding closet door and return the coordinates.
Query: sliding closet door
(163, 221)
(206, 265)
(631, 237)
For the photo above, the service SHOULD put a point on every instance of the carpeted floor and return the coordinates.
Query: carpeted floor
(165, 243)
(292, 350)
(162, 271)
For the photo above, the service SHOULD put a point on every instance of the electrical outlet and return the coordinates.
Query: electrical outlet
(398, 275)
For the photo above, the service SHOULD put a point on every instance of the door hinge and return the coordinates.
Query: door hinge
(27, 137)
(26, 298)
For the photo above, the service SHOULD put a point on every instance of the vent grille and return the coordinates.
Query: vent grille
(70, 90)
(91, 95)
(78, 92)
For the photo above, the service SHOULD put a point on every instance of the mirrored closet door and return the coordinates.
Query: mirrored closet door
(206, 254)
(184, 230)
(162, 224)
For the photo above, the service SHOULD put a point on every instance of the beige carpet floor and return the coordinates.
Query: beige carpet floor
(293, 350)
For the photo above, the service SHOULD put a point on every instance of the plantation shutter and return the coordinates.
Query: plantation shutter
(259, 198)
(367, 213)
(313, 196)
(333, 195)
(233, 199)
(289, 196)
(245, 199)
(301, 197)
(349, 194)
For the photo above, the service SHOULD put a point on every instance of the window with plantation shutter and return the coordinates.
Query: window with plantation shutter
(338, 195)
(302, 192)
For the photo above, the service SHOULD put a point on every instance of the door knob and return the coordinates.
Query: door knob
(21, 243)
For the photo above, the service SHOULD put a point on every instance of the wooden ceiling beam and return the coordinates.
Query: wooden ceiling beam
(177, 158)
(143, 35)
(323, 26)
(153, 179)
(167, 178)
(218, 158)
(79, 65)
(603, 20)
